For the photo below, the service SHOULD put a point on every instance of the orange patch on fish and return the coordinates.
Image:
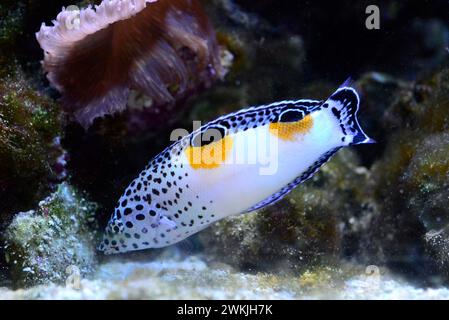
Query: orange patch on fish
(289, 130)
(210, 156)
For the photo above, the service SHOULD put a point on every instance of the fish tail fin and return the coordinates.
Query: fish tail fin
(344, 104)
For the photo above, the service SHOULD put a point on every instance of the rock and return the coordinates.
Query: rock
(410, 182)
(30, 153)
(41, 244)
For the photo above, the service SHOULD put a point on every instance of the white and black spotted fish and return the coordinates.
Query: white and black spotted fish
(196, 181)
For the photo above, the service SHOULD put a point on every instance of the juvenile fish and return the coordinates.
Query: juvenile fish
(197, 180)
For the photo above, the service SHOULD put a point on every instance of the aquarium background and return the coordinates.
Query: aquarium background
(373, 223)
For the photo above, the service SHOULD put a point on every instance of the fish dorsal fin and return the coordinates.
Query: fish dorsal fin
(284, 111)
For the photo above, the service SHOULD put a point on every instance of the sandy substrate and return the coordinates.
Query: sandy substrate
(192, 278)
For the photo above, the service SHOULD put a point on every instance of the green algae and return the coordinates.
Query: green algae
(29, 124)
(41, 244)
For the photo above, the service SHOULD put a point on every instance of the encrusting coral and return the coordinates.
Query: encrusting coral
(41, 244)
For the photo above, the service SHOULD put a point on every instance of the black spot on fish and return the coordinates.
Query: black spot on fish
(208, 136)
(147, 199)
(291, 116)
(226, 124)
(336, 112)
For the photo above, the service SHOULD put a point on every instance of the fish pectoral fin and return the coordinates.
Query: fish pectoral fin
(167, 222)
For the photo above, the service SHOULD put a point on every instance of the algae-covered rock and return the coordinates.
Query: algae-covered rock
(314, 224)
(427, 180)
(41, 244)
(410, 180)
(30, 125)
